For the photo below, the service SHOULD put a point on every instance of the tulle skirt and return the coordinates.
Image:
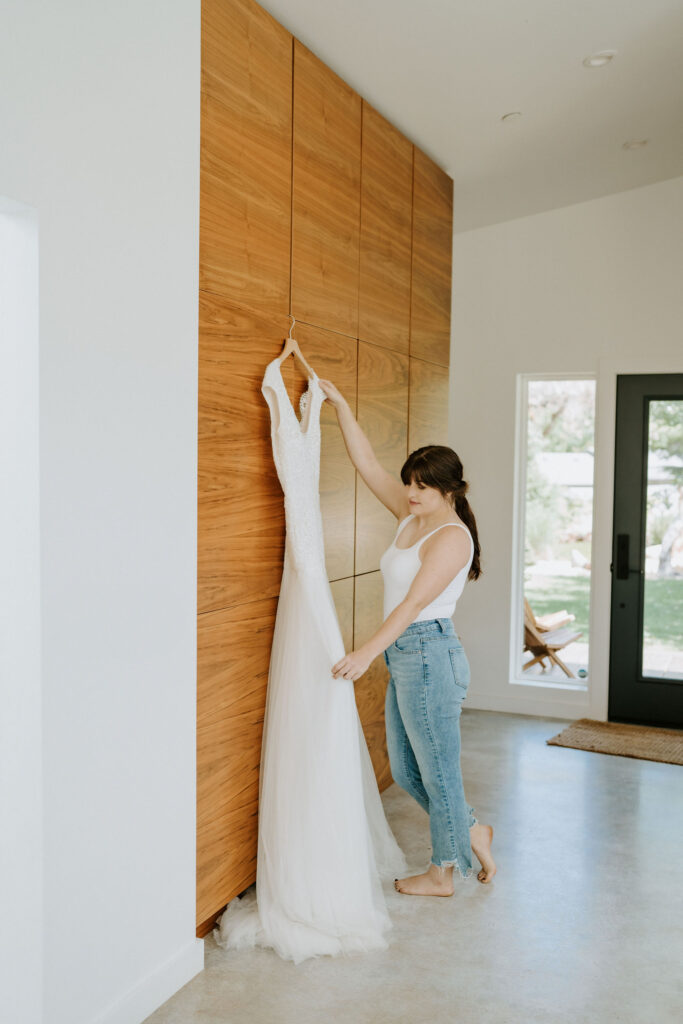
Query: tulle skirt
(324, 844)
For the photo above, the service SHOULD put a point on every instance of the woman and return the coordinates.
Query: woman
(429, 671)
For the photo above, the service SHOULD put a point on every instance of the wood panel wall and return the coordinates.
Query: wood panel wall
(310, 203)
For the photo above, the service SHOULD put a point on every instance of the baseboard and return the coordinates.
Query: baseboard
(151, 992)
(539, 705)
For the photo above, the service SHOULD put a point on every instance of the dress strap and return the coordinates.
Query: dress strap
(271, 390)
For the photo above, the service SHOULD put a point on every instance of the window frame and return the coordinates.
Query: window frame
(516, 675)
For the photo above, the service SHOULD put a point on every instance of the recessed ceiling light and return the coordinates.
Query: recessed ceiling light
(514, 115)
(598, 60)
(635, 144)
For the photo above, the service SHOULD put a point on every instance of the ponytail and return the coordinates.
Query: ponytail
(462, 507)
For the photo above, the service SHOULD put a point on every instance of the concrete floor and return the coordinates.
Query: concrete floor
(582, 923)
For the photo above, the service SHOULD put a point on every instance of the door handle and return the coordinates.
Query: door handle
(623, 571)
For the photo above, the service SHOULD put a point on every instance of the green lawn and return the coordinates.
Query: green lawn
(663, 605)
(664, 612)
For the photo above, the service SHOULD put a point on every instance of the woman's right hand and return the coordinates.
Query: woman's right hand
(332, 394)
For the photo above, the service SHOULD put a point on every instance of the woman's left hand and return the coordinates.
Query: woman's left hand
(352, 665)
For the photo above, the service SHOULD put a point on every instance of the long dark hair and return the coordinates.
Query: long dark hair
(435, 465)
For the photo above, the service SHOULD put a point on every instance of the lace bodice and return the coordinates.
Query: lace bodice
(296, 453)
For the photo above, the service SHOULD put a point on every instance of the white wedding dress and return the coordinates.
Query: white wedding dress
(323, 840)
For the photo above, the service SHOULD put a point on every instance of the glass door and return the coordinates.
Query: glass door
(646, 641)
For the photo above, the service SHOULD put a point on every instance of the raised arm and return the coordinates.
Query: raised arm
(383, 485)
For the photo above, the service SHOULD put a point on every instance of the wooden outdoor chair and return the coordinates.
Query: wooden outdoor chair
(546, 635)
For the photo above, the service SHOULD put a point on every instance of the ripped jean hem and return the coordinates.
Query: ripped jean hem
(454, 864)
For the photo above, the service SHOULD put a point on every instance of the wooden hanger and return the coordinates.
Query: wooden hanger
(291, 347)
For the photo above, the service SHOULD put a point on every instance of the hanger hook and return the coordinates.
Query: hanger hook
(291, 326)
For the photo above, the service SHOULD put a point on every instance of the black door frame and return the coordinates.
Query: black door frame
(630, 697)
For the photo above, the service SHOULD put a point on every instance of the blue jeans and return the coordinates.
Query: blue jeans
(429, 677)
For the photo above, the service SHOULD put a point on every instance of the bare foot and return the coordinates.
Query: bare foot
(436, 881)
(480, 841)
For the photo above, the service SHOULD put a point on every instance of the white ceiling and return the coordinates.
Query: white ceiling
(445, 72)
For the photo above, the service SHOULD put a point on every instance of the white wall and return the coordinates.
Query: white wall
(20, 690)
(99, 121)
(591, 288)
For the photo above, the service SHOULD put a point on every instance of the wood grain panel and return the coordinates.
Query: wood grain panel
(428, 415)
(334, 357)
(385, 233)
(383, 415)
(240, 523)
(231, 368)
(218, 315)
(432, 254)
(342, 592)
(232, 675)
(286, 207)
(246, 131)
(326, 196)
(371, 687)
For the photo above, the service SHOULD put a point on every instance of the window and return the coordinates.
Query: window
(553, 530)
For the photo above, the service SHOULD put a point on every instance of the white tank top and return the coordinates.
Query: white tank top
(400, 566)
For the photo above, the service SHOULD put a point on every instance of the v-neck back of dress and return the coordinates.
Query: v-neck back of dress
(305, 403)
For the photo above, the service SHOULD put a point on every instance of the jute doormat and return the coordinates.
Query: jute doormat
(646, 742)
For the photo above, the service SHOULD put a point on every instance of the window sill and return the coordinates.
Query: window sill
(548, 684)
